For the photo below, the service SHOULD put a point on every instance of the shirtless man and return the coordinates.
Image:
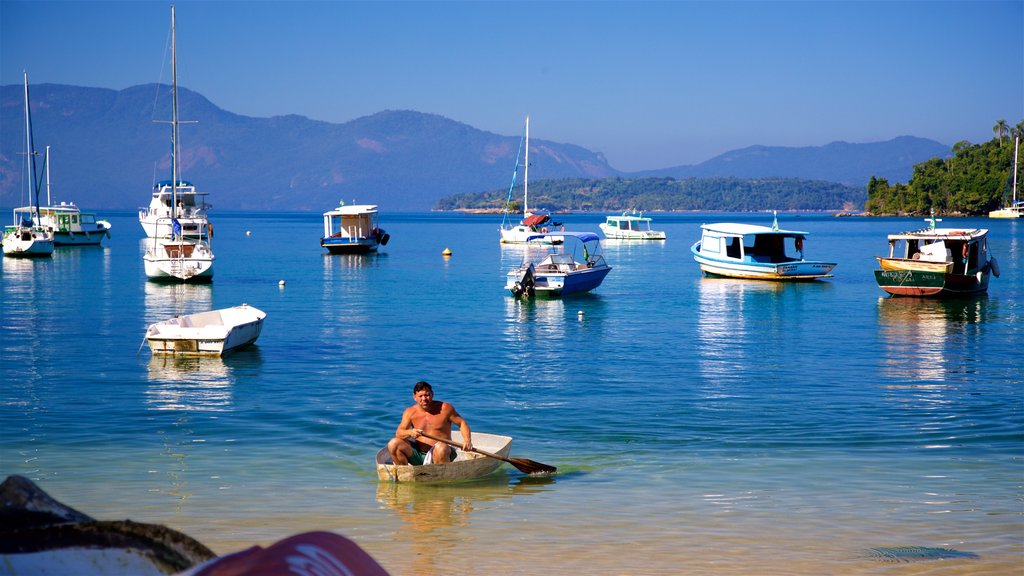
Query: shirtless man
(433, 417)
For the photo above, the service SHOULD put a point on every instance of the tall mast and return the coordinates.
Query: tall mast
(47, 163)
(33, 189)
(1016, 148)
(526, 172)
(174, 120)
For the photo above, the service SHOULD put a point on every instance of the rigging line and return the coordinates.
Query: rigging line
(160, 79)
(515, 172)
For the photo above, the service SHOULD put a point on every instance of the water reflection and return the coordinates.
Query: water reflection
(918, 334)
(729, 314)
(165, 301)
(189, 383)
(434, 516)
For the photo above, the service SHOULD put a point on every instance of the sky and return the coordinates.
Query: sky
(648, 84)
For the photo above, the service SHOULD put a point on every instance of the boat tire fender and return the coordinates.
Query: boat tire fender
(384, 239)
(994, 266)
(544, 230)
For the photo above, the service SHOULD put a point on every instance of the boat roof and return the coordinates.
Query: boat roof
(581, 236)
(627, 217)
(941, 234)
(734, 229)
(353, 210)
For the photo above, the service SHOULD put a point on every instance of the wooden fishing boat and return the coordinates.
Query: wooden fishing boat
(755, 252)
(466, 466)
(212, 333)
(937, 262)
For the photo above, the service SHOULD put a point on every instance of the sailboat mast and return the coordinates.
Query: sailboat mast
(174, 120)
(1016, 148)
(526, 172)
(33, 188)
(47, 163)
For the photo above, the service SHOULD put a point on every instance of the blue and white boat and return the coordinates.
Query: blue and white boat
(548, 269)
(756, 253)
(353, 230)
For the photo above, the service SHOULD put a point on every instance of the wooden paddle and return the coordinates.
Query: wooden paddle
(522, 464)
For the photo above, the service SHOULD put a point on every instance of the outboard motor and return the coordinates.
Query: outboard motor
(524, 281)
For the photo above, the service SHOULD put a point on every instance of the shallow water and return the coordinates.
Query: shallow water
(699, 425)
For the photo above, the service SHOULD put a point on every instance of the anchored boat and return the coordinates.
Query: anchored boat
(25, 238)
(560, 269)
(630, 226)
(937, 262)
(531, 224)
(353, 230)
(212, 333)
(756, 253)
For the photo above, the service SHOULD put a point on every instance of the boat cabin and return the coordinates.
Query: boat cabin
(752, 244)
(351, 222)
(941, 246)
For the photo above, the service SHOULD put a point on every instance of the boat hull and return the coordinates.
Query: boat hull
(83, 238)
(793, 271)
(920, 283)
(467, 465)
(21, 243)
(910, 264)
(350, 245)
(520, 234)
(212, 333)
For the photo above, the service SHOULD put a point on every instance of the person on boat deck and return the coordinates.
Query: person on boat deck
(432, 417)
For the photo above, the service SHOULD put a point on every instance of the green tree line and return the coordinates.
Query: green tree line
(667, 194)
(977, 178)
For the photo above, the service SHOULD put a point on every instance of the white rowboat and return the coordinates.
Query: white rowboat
(466, 466)
(212, 333)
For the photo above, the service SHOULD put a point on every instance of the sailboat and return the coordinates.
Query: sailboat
(69, 225)
(172, 252)
(532, 224)
(25, 238)
(1016, 207)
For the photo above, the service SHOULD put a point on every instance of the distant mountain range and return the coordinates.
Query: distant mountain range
(108, 148)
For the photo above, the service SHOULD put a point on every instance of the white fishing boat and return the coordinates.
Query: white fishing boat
(212, 333)
(172, 252)
(353, 230)
(25, 238)
(1016, 207)
(630, 226)
(466, 466)
(937, 262)
(756, 252)
(575, 266)
(69, 225)
(531, 224)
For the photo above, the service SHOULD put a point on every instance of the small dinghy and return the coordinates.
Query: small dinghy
(212, 333)
(466, 466)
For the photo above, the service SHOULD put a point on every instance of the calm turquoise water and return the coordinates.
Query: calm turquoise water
(699, 425)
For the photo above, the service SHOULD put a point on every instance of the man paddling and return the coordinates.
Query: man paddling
(432, 417)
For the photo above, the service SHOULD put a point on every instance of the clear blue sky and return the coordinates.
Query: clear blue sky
(649, 84)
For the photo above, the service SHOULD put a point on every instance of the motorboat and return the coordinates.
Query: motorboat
(937, 262)
(25, 238)
(531, 224)
(353, 230)
(212, 333)
(176, 199)
(71, 226)
(574, 266)
(466, 466)
(630, 226)
(174, 252)
(755, 252)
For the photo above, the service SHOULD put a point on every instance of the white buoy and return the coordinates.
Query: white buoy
(281, 283)
(580, 314)
(446, 252)
(248, 232)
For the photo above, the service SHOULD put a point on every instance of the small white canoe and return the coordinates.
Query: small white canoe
(466, 466)
(212, 333)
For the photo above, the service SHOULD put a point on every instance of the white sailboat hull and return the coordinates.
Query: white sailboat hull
(179, 260)
(27, 243)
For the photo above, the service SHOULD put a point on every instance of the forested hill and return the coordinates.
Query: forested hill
(977, 179)
(668, 194)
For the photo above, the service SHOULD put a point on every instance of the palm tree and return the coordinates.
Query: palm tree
(1018, 130)
(1001, 129)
